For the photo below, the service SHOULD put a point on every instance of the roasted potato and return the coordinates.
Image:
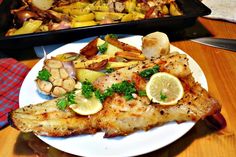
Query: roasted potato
(66, 57)
(82, 64)
(132, 16)
(111, 15)
(102, 8)
(88, 75)
(130, 5)
(174, 9)
(42, 4)
(85, 17)
(98, 65)
(121, 45)
(28, 27)
(130, 55)
(90, 49)
(116, 65)
(111, 49)
(83, 24)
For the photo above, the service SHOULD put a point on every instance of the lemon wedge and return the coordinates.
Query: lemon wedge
(164, 88)
(85, 106)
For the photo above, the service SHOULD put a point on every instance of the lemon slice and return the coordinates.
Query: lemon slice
(85, 106)
(164, 88)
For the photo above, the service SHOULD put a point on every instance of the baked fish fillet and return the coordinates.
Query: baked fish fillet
(118, 116)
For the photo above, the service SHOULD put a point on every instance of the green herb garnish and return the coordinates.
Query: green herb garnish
(44, 74)
(149, 72)
(102, 48)
(71, 97)
(113, 36)
(99, 95)
(87, 89)
(142, 93)
(67, 100)
(110, 70)
(162, 96)
(125, 88)
(62, 104)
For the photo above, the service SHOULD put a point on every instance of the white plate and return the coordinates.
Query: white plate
(95, 145)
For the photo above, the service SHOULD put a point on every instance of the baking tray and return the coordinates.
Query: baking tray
(191, 10)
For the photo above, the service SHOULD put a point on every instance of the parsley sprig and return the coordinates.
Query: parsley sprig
(163, 96)
(110, 70)
(102, 48)
(142, 93)
(67, 100)
(149, 72)
(87, 89)
(44, 74)
(126, 88)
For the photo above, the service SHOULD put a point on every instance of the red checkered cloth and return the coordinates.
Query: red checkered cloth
(12, 74)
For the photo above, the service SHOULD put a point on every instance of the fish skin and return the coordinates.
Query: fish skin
(118, 116)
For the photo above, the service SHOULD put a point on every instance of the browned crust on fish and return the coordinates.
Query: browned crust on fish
(118, 116)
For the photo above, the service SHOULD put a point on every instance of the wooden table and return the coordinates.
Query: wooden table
(219, 67)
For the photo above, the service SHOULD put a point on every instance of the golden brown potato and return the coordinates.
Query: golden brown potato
(90, 49)
(66, 57)
(111, 49)
(43, 4)
(111, 15)
(76, 24)
(85, 17)
(30, 26)
(84, 63)
(121, 45)
(89, 75)
(130, 55)
(174, 9)
(117, 65)
(98, 65)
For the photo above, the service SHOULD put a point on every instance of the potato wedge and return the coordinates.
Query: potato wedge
(132, 16)
(111, 49)
(74, 11)
(174, 10)
(88, 75)
(130, 5)
(130, 55)
(111, 15)
(82, 18)
(165, 10)
(76, 5)
(30, 26)
(42, 4)
(83, 24)
(116, 65)
(102, 8)
(121, 45)
(66, 57)
(98, 65)
(90, 49)
(82, 64)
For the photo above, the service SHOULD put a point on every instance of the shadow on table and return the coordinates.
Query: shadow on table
(28, 144)
(201, 129)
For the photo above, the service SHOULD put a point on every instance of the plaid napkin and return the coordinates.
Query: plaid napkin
(12, 74)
